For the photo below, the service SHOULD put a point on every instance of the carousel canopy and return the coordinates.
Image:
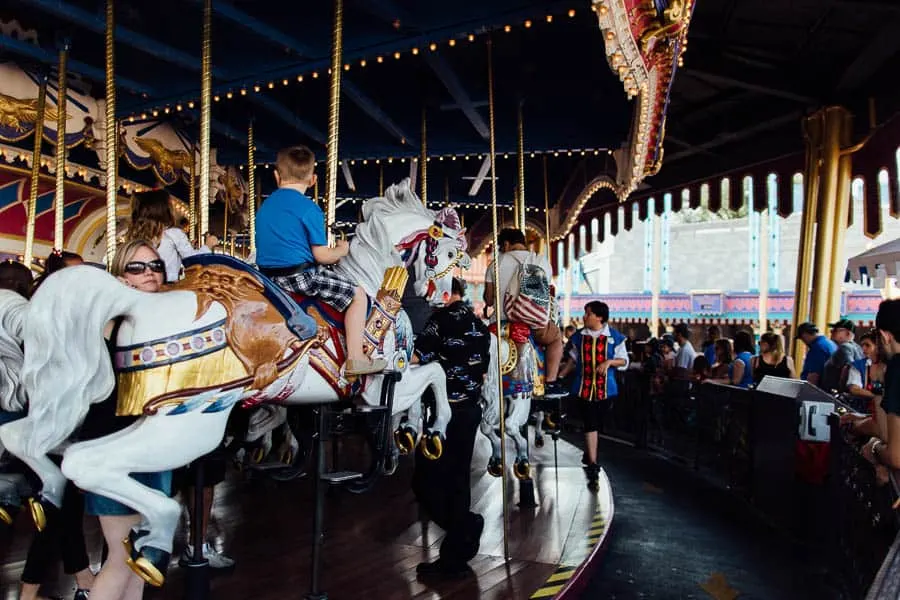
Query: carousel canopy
(869, 263)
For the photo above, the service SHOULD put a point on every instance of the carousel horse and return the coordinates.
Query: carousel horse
(13, 485)
(223, 335)
(523, 379)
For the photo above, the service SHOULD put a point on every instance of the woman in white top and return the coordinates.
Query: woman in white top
(152, 220)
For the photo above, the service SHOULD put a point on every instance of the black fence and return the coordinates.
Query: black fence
(746, 441)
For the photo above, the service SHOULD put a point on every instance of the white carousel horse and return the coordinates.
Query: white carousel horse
(182, 367)
(520, 371)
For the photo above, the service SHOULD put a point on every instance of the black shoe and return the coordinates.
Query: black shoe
(584, 459)
(473, 539)
(592, 472)
(555, 389)
(81, 594)
(444, 569)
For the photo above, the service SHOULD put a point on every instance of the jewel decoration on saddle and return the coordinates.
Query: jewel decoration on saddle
(645, 41)
(158, 353)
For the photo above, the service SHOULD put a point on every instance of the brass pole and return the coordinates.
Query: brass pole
(251, 184)
(334, 113)
(381, 180)
(205, 116)
(496, 267)
(226, 204)
(112, 135)
(831, 151)
(446, 191)
(547, 209)
(520, 198)
(192, 195)
(841, 207)
(812, 131)
(35, 172)
(60, 199)
(423, 160)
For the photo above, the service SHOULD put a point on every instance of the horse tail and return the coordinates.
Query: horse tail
(67, 366)
(12, 315)
(490, 389)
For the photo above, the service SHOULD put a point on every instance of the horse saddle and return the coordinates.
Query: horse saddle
(298, 322)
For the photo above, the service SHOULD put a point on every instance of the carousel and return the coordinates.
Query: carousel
(411, 112)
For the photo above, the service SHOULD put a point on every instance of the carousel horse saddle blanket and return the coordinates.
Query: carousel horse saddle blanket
(298, 322)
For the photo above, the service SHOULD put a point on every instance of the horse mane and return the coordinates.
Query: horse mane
(12, 315)
(372, 249)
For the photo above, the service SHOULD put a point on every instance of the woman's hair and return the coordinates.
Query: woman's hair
(743, 342)
(775, 344)
(701, 364)
(151, 215)
(16, 277)
(56, 261)
(872, 336)
(723, 345)
(125, 253)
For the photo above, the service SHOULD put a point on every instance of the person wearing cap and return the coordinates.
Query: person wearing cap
(820, 349)
(848, 352)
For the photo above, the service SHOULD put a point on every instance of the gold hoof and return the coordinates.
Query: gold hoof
(550, 423)
(287, 457)
(427, 442)
(404, 441)
(37, 514)
(522, 471)
(257, 456)
(5, 516)
(147, 571)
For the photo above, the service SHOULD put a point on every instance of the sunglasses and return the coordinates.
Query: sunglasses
(137, 267)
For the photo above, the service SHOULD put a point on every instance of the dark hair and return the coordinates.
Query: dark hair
(701, 363)
(713, 330)
(725, 346)
(511, 236)
(888, 318)
(682, 330)
(151, 215)
(58, 260)
(16, 277)
(458, 287)
(743, 342)
(598, 309)
(571, 328)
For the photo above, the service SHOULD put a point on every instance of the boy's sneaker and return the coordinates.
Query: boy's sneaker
(364, 367)
(217, 560)
(592, 472)
(555, 389)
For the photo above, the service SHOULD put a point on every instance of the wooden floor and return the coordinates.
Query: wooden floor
(373, 542)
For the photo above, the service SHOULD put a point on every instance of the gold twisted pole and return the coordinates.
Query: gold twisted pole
(423, 159)
(251, 184)
(520, 200)
(35, 172)
(496, 268)
(60, 200)
(112, 135)
(205, 116)
(381, 180)
(192, 195)
(547, 210)
(334, 117)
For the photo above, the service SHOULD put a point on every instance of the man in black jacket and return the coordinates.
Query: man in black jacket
(460, 342)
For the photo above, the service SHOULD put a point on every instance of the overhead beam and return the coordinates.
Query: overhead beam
(368, 106)
(228, 11)
(278, 110)
(475, 103)
(29, 50)
(883, 46)
(735, 136)
(448, 77)
(482, 175)
(767, 90)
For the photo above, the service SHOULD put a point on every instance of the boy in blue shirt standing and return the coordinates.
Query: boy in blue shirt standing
(292, 249)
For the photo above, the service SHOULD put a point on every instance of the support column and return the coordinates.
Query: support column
(812, 131)
(251, 184)
(520, 197)
(423, 159)
(334, 118)
(656, 274)
(841, 208)
(205, 117)
(763, 270)
(823, 274)
(112, 134)
(28, 258)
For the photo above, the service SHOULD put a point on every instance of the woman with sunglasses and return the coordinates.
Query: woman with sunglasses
(153, 222)
(137, 265)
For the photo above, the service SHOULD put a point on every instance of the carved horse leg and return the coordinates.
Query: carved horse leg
(14, 436)
(153, 444)
(520, 406)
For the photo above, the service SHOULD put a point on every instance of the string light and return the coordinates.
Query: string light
(432, 46)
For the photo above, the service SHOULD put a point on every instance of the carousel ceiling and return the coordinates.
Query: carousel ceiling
(754, 67)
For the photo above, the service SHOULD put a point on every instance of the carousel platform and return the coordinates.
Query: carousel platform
(374, 541)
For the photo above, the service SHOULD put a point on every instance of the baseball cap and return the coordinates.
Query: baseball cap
(842, 324)
(807, 327)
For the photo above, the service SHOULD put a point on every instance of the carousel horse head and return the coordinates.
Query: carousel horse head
(434, 254)
(397, 229)
(12, 312)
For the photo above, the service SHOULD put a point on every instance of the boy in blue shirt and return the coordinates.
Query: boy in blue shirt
(292, 249)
